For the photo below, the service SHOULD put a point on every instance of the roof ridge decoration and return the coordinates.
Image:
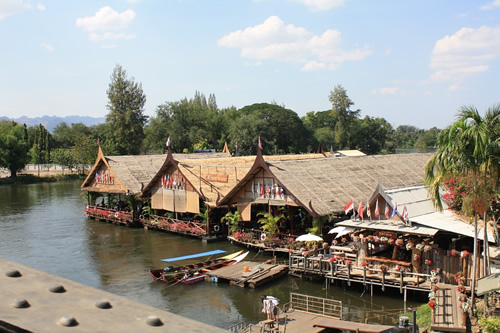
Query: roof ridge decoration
(100, 158)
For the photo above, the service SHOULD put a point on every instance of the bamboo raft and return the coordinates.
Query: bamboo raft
(257, 273)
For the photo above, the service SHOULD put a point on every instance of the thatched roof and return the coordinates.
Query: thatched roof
(133, 172)
(325, 186)
(235, 168)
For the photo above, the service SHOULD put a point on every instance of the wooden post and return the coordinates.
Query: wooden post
(364, 275)
(400, 282)
(208, 220)
(349, 275)
(383, 281)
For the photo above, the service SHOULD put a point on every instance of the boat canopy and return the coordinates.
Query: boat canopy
(195, 255)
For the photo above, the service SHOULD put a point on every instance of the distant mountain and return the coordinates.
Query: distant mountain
(50, 122)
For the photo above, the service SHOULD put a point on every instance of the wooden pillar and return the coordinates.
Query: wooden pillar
(395, 252)
(208, 220)
(362, 252)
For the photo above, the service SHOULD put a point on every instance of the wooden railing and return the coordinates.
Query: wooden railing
(107, 214)
(191, 228)
(317, 305)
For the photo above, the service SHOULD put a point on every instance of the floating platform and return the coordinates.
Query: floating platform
(254, 275)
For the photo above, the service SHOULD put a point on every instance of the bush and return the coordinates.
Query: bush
(490, 324)
(424, 316)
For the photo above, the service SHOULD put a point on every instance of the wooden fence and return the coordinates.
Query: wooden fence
(317, 305)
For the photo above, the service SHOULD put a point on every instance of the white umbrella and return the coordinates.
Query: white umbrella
(308, 238)
(341, 231)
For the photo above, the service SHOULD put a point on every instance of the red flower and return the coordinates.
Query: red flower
(428, 262)
(363, 263)
(432, 304)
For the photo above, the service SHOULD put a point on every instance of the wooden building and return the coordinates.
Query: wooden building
(318, 188)
(115, 182)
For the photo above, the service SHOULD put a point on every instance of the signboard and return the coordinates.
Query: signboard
(217, 177)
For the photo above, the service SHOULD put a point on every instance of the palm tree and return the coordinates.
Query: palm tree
(270, 223)
(232, 220)
(469, 146)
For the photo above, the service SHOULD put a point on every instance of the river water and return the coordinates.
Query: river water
(43, 226)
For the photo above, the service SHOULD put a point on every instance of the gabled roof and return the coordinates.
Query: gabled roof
(324, 186)
(135, 171)
(329, 184)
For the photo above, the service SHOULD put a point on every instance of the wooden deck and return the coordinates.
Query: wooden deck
(302, 322)
(448, 315)
(258, 273)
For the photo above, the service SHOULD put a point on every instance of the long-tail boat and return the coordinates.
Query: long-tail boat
(193, 273)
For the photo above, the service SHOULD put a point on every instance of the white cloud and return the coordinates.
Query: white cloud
(40, 6)
(321, 5)
(466, 53)
(12, 7)
(106, 18)
(490, 5)
(273, 40)
(109, 36)
(47, 47)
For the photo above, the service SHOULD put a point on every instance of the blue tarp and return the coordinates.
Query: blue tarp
(196, 255)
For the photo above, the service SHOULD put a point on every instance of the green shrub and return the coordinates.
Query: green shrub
(424, 316)
(490, 324)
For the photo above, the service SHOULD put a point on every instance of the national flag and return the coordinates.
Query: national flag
(368, 212)
(394, 210)
(98, 142)
(349, 207)
(260, 143)
(404, 214)
(360, 209)
(386, 211)
(376, 212)
(168, 142)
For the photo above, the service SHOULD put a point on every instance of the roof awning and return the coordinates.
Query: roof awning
(389, 225)
(488, 284)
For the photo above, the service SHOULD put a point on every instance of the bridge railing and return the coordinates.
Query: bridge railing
(317, 305)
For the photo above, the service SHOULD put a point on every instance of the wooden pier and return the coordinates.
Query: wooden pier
(254, 275)
(447, 315)
(322, 266)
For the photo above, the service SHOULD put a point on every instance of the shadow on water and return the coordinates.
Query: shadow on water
(43, 226)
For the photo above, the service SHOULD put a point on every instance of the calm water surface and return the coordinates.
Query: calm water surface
(43, 226)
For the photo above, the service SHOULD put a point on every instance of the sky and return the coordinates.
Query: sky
(410, 62)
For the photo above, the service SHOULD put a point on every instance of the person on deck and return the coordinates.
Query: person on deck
(270, 306)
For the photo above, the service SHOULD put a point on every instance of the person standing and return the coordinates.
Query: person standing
(270, 306)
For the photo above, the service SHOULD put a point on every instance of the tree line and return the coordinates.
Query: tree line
(198, 123)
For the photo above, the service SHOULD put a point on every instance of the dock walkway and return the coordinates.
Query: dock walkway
(448, 316)
(258, 273)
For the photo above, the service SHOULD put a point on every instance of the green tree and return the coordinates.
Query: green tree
(281, 130)
(469, 146)
(63, 158)
(344, 116)
(126, 112)
(14, 147)
(40, 151)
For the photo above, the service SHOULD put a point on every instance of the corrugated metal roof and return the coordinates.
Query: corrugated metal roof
(390, 225)
(448, 221)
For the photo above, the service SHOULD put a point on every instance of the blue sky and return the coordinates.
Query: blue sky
(411, 62)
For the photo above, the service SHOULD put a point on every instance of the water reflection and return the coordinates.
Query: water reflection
(43, 226)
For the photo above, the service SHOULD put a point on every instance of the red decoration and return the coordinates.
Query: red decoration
(432, 303)
(428, 262)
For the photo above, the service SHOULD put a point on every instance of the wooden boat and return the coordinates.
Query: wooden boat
(193, 273)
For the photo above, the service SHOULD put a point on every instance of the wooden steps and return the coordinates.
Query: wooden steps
(448, 315)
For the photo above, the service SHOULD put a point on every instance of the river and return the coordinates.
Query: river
(43, 226)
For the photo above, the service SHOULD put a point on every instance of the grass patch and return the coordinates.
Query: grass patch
(424, 316)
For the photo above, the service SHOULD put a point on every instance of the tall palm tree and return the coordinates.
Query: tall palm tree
(469, 146)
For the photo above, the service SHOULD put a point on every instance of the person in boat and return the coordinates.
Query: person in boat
(270, 306)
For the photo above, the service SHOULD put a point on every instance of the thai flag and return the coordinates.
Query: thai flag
(394, 210)
(360, 209)
(376, 212)
(168, 142)
(368, 212)
(349, 207)
(404, 214)
(386, 211)
(260, 143)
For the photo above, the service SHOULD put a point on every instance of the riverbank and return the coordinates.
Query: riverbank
(26, 178)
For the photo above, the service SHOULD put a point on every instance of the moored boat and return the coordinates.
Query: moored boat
(193, 273)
